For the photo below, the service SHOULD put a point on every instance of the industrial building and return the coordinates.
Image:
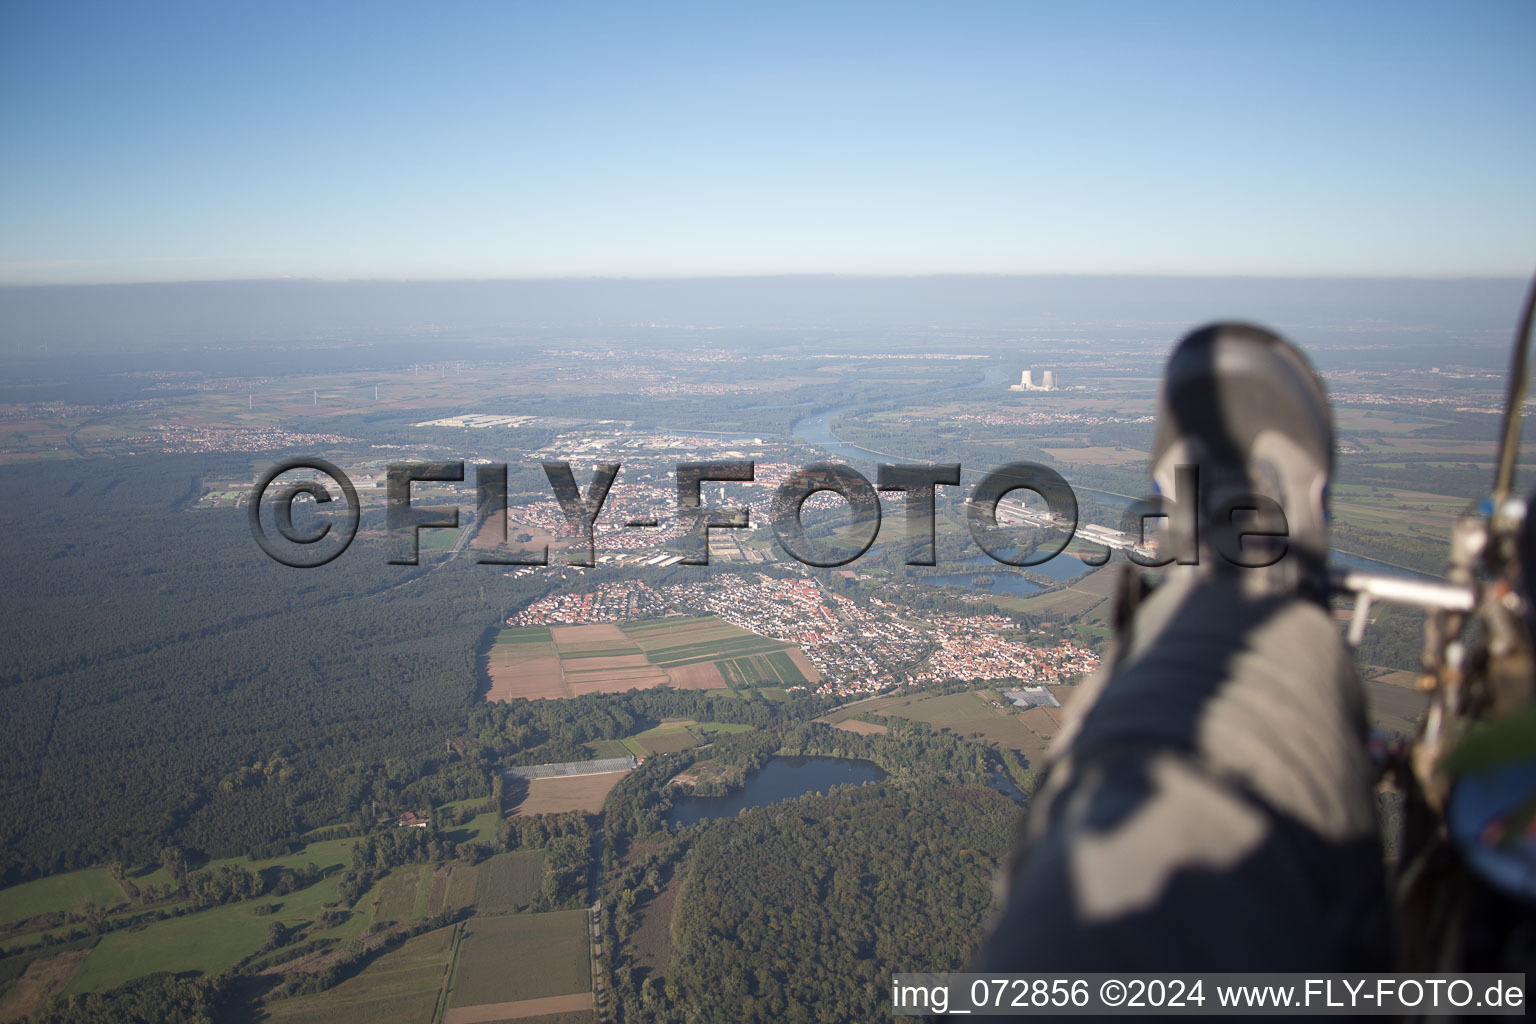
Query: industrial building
(1027, 381)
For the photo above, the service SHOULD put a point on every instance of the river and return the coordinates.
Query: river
(816, 429)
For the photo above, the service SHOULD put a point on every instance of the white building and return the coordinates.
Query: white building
(1027, 382)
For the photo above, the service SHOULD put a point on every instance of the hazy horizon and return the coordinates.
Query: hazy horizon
(62, 319)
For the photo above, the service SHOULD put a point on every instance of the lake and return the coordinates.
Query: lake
(782, 778)
(1002, 582)
(1061, 568)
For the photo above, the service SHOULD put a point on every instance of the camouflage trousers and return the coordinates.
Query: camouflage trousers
(1208, 804)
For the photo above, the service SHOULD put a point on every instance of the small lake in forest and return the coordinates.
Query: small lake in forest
(782, 778)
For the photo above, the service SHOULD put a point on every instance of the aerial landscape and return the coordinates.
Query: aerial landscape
(672, 760)
(277, 733)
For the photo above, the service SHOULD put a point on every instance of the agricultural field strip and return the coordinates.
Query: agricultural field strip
(756, 661)
(401, 986)
(551, 952)
(706, 635)
(781, 661)
(674, 623)
(664, 652)
(690, 634)
(697, 651)
(497, 1013)
(693, 653)
(396, 898)
(508, 882)
(756, 664)
(565, 769)
(524, 635)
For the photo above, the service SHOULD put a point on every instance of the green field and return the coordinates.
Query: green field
(55, 891)
(396, 899)
(419, 906)
(508, 882)
(524, 635)
(743, 658)
(603, 749)
(438, 540)
(1090, 592)
(680, 734)
(480, 828)
(960, 713)
(71, 892)
(1382, 421)
(773, 668)
(332, 853)
(524, 956)
(948, 711)
(208, 941)
(713, 728)
(669, 737)
(1394, 512)
(461, 882)
(400, 987)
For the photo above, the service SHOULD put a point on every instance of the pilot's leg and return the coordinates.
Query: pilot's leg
(1209, 804)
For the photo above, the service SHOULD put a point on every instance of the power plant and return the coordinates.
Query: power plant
(1027, 381)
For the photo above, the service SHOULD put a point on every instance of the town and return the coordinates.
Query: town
(858, 647)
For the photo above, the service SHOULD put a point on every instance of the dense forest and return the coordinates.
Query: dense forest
(164, 684)
(1395, 639)
(154, 999)
(798, 910)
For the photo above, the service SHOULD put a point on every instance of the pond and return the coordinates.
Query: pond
(1061, 568)
(782, 778)
(1002, 582)
(1004, 785)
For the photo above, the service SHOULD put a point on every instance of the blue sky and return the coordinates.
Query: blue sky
(152, 142)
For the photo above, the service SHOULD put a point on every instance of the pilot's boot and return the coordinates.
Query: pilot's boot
(1245, 409)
